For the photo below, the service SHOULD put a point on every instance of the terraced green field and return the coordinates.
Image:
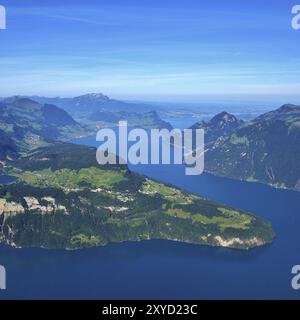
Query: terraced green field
(71, 179)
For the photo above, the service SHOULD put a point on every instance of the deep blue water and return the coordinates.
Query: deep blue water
(7, 179)
(168, 270)
(182, 122)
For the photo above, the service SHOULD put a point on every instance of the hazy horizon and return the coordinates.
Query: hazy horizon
(259, 102)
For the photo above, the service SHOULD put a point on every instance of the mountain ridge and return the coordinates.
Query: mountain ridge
(27, 124)
(96, 110)
(220, 125)
(266, 149)
(86, 104)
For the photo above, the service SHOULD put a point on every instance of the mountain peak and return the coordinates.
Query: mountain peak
(99, 96)
(220, 125)
(21, 102)
(289, 107)
(14, 99)
(224, 118)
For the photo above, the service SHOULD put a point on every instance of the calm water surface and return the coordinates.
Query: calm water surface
(167, 270)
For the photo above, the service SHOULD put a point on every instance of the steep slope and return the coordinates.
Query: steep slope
(64, 199)
(266, 149)
(28, 124)
(7, 146)
(220, 125)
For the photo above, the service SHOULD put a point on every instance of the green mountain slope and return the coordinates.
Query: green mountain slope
(266, 149)
(27, 124)
(64, 199)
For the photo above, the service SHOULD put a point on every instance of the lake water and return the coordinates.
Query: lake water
(6, 179)
(168, 270)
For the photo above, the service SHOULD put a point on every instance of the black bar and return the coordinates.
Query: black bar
(90, 310)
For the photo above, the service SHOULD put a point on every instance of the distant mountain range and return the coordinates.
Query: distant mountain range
(266, 149)
(85, 105)
(26, 123)
(97, 110)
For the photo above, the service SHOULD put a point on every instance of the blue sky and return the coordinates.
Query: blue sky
(144, 49)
